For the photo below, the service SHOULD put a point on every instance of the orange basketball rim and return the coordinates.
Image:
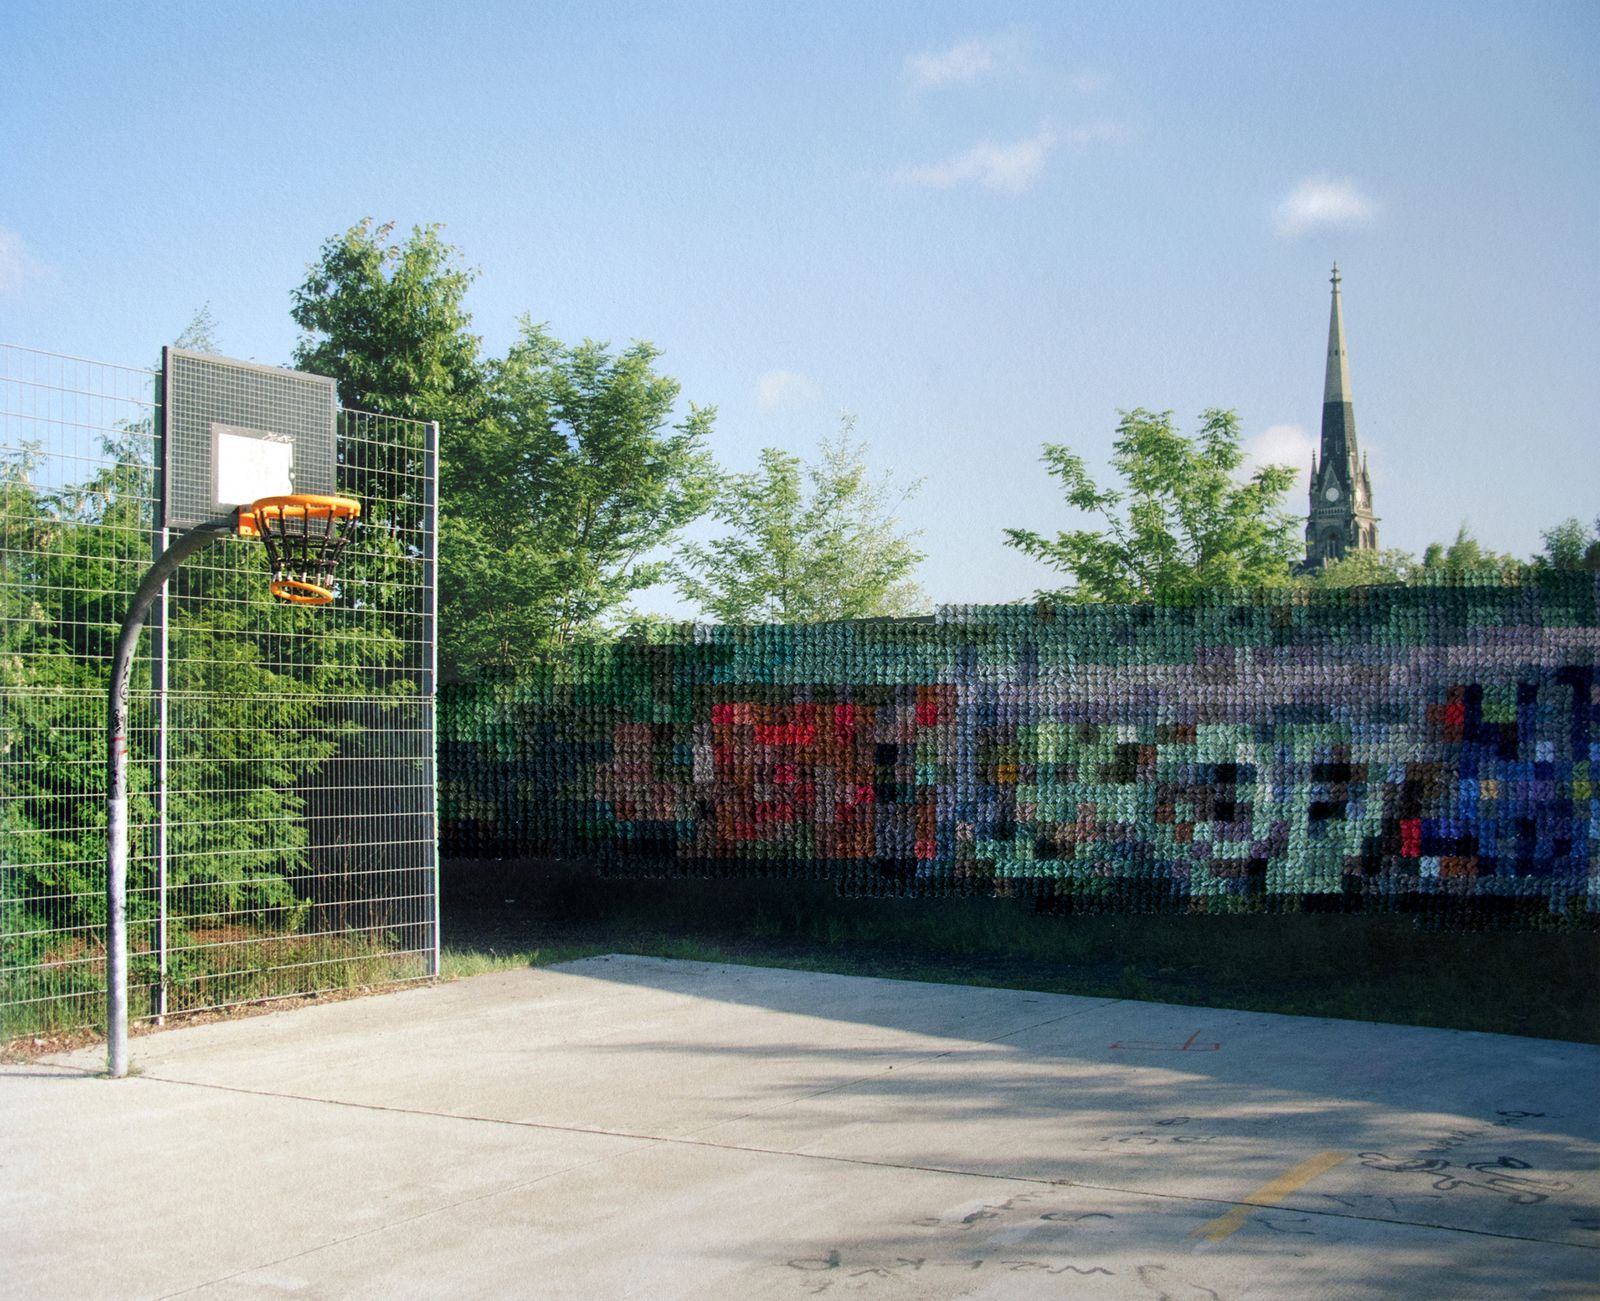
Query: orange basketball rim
(304, 535)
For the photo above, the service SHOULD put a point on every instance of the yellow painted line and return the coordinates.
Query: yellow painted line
(1268, 1195)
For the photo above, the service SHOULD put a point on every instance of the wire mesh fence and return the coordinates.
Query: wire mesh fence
(281, 795)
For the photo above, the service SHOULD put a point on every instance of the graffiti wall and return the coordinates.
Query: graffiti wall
(1374, 749)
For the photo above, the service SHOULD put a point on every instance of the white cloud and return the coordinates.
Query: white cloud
(1088, 82)
(965, 61)
(1289, 445)
(18, 266)
(1324, 201)
(1093, 132)
(1009, 168)
(785, 389)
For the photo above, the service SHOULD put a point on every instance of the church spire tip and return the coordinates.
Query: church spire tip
(1336, 386)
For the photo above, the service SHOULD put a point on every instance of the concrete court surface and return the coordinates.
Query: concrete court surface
(638, 1127)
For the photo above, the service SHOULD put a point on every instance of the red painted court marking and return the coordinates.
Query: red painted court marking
(1187, 1046)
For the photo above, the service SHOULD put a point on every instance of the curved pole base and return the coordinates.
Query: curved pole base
(202, 535)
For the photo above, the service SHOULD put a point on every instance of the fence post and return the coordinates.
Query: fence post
(430, 605)
(160, 650)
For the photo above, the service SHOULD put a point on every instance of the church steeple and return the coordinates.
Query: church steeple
(1340, 519)
(1338, 412)
(1336, 381)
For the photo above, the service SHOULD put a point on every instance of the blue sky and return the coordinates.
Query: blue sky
(976, 228)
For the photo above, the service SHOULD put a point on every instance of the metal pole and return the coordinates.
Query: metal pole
(430, 599)
(160, 679)
(159, 682)
(117, 784)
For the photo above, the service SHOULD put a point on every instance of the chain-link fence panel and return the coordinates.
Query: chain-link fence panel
(281, 794)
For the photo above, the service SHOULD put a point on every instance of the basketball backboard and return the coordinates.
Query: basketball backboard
(237, 431)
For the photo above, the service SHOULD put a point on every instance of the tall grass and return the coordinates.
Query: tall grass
(213, 970)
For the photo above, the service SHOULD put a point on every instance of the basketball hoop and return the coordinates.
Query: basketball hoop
(304, 536)
(229, 428)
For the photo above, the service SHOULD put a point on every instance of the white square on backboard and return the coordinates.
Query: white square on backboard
(248, 464)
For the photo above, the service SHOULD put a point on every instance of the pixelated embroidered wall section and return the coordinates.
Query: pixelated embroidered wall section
(1372, 749)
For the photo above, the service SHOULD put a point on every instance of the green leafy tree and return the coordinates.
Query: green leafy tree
(582, 476)
(200, 335)
(1570, 545)
(69, 556)
(252, 728)
(805, 542)
(238, 839)
(48, 745)
(388, 321)
(1184, 523)
(1366, 569)
(643, 625)
(1467, 559)
(562, 471)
